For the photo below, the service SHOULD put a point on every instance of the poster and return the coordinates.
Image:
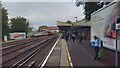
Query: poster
(103, 25)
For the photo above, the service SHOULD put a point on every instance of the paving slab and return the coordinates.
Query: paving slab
(59, 56)
(82, 54)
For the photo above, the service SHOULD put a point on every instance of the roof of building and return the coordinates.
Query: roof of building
(52, 28)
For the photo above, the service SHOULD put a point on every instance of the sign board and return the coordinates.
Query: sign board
(118, 22)
(17, 35)
(106, 19)
(118, 26)
(5, 38)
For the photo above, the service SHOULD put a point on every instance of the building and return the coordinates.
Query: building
(51, 29)
(80, 28)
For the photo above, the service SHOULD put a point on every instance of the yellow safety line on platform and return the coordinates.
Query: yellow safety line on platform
(69, 58)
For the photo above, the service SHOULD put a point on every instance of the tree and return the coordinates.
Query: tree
(19, 24)
(42, 27)
(69, 22)
(5, 27)
(30, 29)
(90, 7)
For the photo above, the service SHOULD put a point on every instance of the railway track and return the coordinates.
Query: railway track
(29, 60)
(12, 52)
(17, 43)
(30, 52)
(20, 46)
(4, 45)
(34, 62)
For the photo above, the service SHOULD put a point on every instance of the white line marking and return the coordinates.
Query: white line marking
(50, 53)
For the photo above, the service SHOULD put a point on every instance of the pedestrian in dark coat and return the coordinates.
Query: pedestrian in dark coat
(81, 37)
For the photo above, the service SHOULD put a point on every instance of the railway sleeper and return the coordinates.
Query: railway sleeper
(31, 65)
(28, 57)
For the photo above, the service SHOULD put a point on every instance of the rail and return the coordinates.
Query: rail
(29, 56)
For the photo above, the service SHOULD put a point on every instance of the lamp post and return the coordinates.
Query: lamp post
(116, 55)
(76, 20)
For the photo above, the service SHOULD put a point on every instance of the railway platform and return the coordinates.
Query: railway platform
(54, 52)
(72, 54)
(82, 54)
(59, 56)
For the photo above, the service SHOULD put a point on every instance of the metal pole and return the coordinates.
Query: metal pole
(76, 20)
(116, 54)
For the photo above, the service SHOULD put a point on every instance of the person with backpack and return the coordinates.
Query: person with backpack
(97, 46)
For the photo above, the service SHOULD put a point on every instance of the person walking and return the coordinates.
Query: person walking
(67, 36)
(97, 45)
(73, 37)
(80, 38)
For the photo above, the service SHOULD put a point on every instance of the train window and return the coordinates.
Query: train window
(118, 19)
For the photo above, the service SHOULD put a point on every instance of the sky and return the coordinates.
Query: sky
(56, 0)
(44, 13)
(37, 0)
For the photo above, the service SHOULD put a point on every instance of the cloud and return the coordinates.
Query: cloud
(44, 13)
(37, 0)
(56, 0)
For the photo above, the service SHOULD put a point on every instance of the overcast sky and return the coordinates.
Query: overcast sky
(44, 13)
(37, 0)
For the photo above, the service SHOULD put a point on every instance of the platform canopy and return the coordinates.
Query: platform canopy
(70, 26)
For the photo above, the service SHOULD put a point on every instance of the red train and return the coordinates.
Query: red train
(42, 34)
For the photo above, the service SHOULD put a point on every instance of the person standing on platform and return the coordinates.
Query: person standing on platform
(97, 45)
(67, 36)
(73, 37)
(81, 37)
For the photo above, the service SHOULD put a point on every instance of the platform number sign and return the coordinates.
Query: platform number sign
(118, 23)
